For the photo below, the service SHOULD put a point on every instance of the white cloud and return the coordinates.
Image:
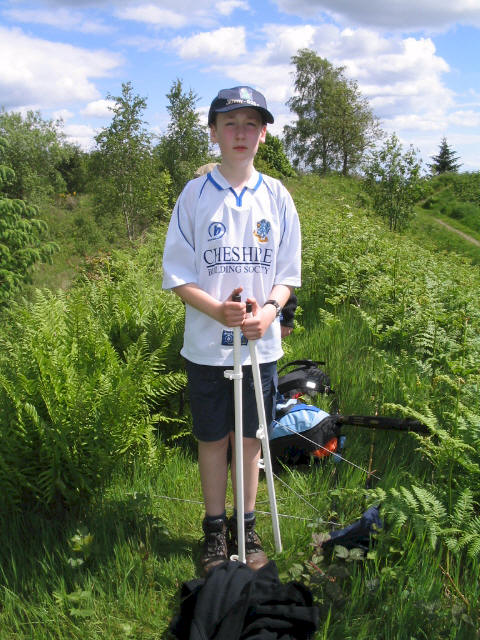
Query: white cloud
(226, 7)
(98, 109)
(81, 134)
(404, 15)
(144, 43)
(468, 118)
(97, 28)
(405, 58)
(61, 18)
(397, 75)
(283, 42)
(227, 42)
(154, 15)
(176, 14)
(414, 122)
(403, 78)
(49, 74)
(62, 114)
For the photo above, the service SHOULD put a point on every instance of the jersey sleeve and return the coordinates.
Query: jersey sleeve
(179, 265)
(289, 256)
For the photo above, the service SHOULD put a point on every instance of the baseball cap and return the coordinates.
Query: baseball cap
(237, 97)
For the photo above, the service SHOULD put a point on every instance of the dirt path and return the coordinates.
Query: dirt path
(460, 233)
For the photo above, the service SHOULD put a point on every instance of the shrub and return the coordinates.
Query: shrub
(36, 150)
(82, 386)
(467, 212)
(22, 238)
(271, 159)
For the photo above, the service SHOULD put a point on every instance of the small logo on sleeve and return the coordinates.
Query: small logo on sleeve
(216, 230)
(262, 230)
(227, 338)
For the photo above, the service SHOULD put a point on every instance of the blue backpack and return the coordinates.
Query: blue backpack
(301, 431)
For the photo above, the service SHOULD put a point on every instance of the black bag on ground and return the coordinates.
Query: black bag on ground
(358, 534)
(306, 377)
(301, 431)
(235, 602)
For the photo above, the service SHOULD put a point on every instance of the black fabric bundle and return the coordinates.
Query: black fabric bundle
(288, 311)
(235, 602)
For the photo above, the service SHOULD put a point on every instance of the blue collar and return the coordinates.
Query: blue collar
(221, 183)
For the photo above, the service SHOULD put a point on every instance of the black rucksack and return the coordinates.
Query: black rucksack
(305, 378)
(301, 433)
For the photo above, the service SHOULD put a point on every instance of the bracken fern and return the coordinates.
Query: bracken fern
(422, 510)
(83, 382)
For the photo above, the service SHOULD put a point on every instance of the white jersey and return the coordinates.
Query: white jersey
(220, 240)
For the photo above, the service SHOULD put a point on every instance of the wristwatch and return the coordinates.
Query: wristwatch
(275, 304)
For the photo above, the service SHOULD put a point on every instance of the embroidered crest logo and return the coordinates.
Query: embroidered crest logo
(245, 94)
(216, 230)
(262, 230)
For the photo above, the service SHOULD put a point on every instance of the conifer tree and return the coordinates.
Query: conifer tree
(22, 238)
(445, 161)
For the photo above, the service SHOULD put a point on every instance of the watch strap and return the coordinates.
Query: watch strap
(275, 304)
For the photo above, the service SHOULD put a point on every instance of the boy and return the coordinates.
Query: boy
(232, 232)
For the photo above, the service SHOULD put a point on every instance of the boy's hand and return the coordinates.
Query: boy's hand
(255, 324)
(232, 313)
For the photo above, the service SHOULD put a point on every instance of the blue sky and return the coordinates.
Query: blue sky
(416, 61)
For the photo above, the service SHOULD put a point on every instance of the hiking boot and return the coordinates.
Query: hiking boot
(254, 553)
(214, 550)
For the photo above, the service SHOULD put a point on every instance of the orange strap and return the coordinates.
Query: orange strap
(330, 447)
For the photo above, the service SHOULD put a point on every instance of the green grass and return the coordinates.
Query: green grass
(116, 570)
(144, 543)
(73, 226)
(453, 198)
(438, 239)
(145, 530)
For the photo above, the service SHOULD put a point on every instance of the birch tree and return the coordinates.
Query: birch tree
(130, 183)
(334, 125)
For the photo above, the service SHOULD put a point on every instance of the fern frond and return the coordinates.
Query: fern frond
(471, 538)
(463, 509)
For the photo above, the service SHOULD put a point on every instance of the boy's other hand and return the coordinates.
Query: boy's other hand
(255, 324)
(285, 331)
(232, 313)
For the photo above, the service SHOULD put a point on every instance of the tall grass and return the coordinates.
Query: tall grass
(80, 236)
(436, 238)
(399, 336)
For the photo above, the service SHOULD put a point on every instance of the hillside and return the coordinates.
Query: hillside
(93, 419)
(453, 199)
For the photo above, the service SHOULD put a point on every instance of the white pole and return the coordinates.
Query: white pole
(236, 375)
(262, 435)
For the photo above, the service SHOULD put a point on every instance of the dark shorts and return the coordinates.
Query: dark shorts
(212, 400)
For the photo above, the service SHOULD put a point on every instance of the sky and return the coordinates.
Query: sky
(416, 61)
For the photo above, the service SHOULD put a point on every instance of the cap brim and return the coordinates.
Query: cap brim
(266, 114)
